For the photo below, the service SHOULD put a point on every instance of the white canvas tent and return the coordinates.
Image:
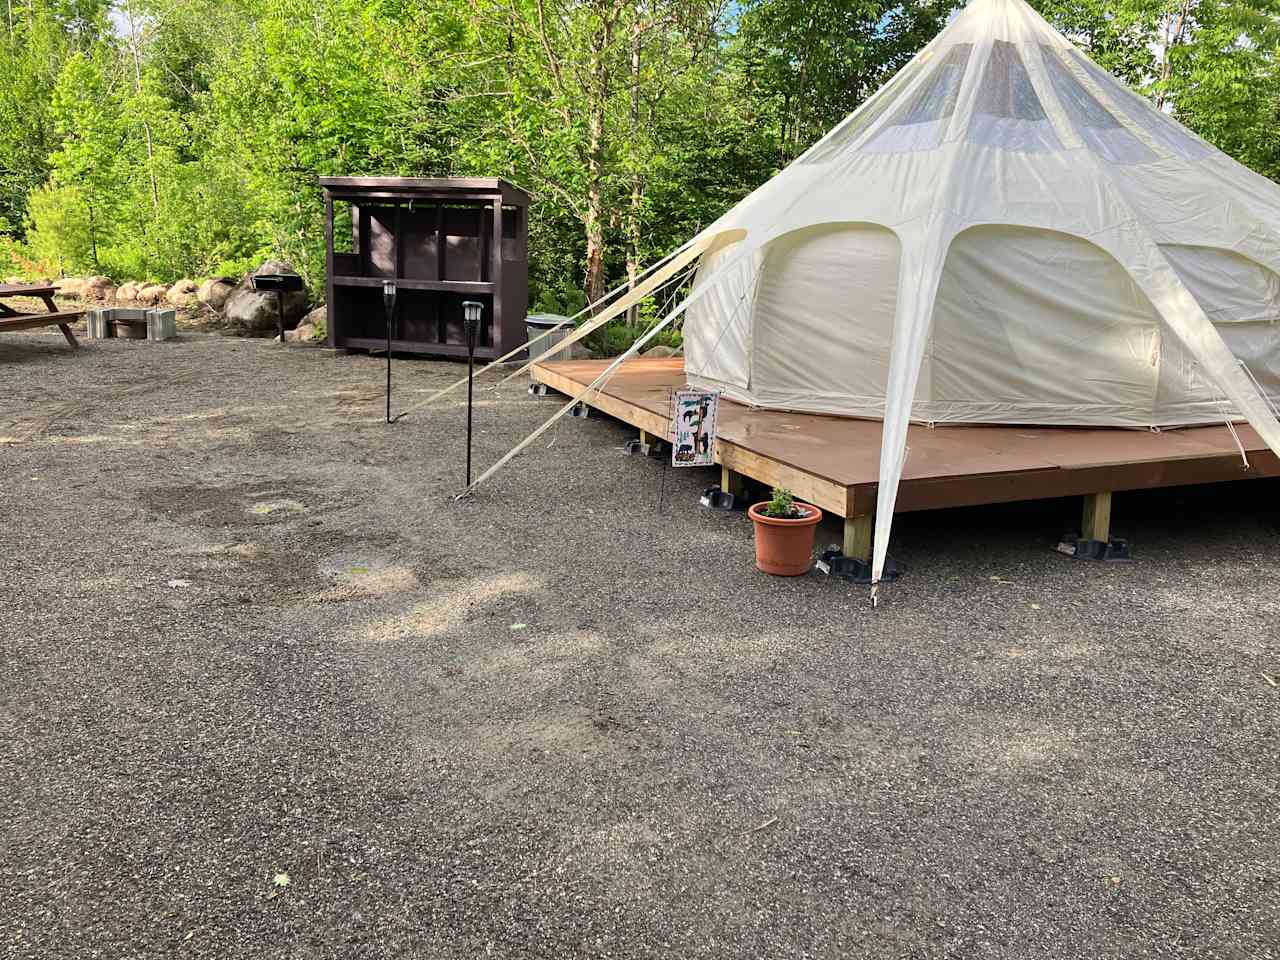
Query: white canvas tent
(1004, 233)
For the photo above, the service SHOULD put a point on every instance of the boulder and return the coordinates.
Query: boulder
(182, 293)
(660, 351)
(253, 313)
(574, 351)
(302, 333)
(152, 295)
(128, 291)
(97, 290)
(213, 293)
(70, 288)
(317, 317)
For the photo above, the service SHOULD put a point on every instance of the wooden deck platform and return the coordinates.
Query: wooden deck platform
(834, 462)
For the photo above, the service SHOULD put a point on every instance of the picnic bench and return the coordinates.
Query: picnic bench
(11, 319)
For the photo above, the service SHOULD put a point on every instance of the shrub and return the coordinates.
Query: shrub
(782, 506)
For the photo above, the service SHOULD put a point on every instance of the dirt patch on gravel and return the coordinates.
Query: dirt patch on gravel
(230, 505)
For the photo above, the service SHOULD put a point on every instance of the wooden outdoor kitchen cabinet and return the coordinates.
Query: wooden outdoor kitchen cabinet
(441, 241)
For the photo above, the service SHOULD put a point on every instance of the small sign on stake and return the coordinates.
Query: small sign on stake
(693, 426)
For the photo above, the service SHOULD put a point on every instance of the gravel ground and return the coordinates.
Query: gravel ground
(246, 634)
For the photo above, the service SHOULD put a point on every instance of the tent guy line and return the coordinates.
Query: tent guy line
(500, 361)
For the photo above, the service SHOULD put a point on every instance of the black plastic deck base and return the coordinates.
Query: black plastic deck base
(651, 449)
(1110, 551)
(833, 563)
(716, 499)
(537, 390)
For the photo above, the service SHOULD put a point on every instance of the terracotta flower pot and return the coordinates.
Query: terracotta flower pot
(784, 548)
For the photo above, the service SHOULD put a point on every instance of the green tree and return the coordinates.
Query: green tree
(1214, 64)
(87, 116)
(809, 63)
(38, 36)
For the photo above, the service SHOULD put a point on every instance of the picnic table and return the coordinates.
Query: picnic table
(11, 319)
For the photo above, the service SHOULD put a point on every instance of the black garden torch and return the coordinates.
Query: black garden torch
(389, 305)
(471, 311)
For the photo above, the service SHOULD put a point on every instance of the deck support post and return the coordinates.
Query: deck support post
(732, 482)
(1095, 522)
(859, 534)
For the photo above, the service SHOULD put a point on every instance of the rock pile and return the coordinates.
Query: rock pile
(223, 301)
(213, 293)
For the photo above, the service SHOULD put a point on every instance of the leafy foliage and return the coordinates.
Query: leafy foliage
(782, 505)
(185, 137)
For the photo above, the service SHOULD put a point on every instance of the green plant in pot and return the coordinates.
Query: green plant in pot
(785, 531)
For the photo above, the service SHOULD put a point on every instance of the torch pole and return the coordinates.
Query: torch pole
(471, 311)
(389, 304)
(471, 368)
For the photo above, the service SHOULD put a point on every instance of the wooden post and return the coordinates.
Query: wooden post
(732, 482)
(330, 306)
(498, 339)
(1095, 524)
(859, 534)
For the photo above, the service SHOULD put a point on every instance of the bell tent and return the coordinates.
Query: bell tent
(1003, 233)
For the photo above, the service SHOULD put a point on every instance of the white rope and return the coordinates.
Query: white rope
(559, 326)
(635, 295)
(1226, 413)
(1265, 398)
(697, 294)
(592, 386)
(676, 281)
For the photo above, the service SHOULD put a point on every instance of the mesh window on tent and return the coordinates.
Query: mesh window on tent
(861, 120)
(1008, 113)
(921, 122)
(1097, 126)
(1163, 129)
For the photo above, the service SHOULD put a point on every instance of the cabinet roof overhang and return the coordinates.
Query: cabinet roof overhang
(434, 188)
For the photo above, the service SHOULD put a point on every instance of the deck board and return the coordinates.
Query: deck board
(839, 457)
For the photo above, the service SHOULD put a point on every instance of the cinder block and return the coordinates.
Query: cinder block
(162, 324)
(100, 327)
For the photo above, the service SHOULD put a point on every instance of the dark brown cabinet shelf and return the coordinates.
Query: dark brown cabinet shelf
(441, 241)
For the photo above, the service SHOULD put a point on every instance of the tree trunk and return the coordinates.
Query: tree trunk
(594, 284)
(93, 239)
(1174, 28)
(637, 188)
(597, 87)
(146, 124)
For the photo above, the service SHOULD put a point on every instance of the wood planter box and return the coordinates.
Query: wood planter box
(441, 241)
